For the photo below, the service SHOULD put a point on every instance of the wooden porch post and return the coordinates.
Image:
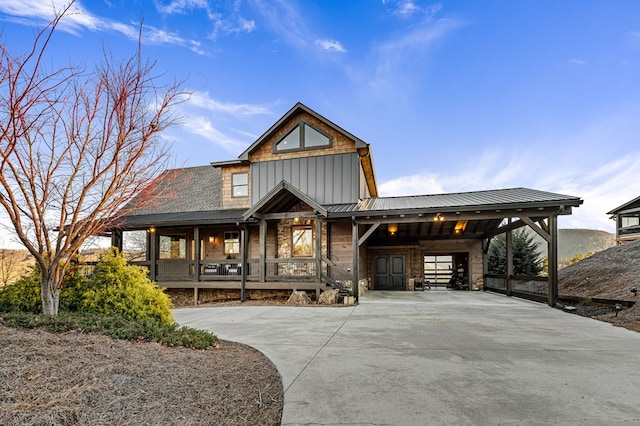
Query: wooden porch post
(318, 249)
(196, 262)
(263, 250)
(509, 258)
(153, 253)
(552, 290)
(243, 261)
(116, 240)
(356, 251)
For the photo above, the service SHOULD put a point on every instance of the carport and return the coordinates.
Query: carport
(398, 232)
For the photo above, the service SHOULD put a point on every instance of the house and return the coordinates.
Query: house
(300, 209)
(627, 217)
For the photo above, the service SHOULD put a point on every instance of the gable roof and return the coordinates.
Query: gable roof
(284, 120)
(283, 192)
(630, 205)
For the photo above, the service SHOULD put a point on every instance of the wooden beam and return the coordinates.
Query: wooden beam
(288, 215)
(533, 225)
(367, 234)
(243, 262)
(509, 258)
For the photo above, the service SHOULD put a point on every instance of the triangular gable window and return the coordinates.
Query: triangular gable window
(302, 136)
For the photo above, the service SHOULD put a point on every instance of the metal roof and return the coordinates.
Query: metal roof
(629, 205)
(511, 198)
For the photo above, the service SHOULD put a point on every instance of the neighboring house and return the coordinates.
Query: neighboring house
(299, 209)
(627, 218)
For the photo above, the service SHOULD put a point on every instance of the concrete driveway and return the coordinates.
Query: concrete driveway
(439, 357)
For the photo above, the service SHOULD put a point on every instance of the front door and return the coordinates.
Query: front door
(389, 272)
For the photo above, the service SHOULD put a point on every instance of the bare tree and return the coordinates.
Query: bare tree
(12, 265)
(75, 148)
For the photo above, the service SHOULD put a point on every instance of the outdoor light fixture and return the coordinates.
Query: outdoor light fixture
(393, 229)
(460, 226)
(152, 229)
(438, 217)
(212, 239)
(296, 220)
(634, 290)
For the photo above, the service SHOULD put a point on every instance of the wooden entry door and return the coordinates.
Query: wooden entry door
(389, 272)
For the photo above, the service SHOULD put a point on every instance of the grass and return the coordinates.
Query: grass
(114, 327)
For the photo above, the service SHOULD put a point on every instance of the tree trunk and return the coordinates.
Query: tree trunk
(50, 293)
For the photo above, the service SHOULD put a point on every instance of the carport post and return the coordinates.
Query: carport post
(356, 250)
(509, 259)
(552, 287)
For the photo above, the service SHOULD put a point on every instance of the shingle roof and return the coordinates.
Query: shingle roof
(190, 189)
(477, 200)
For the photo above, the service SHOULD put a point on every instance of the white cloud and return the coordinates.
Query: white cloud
(576, 61)
(331, 45)
(79, 18)
(393, 56)
(203, 100)
(181, 6)
(205, 116)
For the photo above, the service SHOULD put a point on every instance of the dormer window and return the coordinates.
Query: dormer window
(303, 136)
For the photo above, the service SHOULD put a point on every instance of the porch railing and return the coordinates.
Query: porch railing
(290, 269)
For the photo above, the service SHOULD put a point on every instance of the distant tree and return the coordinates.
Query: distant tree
(526, 257)
(11, 265)
(75, 147)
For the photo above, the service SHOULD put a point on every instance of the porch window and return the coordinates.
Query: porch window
(302, 244)
(231, 243)
(239, 185)
(173, 247)
(303, 136)
(630, 221)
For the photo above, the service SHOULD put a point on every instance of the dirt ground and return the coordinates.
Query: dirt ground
(608, 274)
(75, 378)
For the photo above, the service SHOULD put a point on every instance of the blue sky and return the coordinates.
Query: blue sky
(453, 96)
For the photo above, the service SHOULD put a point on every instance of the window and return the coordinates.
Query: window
(173, 247)
(239, 185)
(303, 136)
(302, 241)
(231, 243)
(630, 221)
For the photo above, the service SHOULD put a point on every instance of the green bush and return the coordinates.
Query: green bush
(23, 295)
(144, 330)
(123, 290)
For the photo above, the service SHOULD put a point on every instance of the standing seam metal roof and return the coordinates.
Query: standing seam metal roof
(478, 200)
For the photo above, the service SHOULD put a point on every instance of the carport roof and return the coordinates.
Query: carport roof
(512, 198)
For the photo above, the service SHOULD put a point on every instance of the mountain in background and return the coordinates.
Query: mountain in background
(577, 241)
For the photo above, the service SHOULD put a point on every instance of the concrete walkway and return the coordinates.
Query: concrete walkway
(439, 357)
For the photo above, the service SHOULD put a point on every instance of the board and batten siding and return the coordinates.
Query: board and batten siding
(327, 179)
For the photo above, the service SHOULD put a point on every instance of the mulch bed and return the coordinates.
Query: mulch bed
(75, 378)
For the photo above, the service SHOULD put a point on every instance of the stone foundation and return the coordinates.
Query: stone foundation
(184, 296)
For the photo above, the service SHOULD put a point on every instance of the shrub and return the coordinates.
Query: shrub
(144, 330)
(23, 295)
(123, 290)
